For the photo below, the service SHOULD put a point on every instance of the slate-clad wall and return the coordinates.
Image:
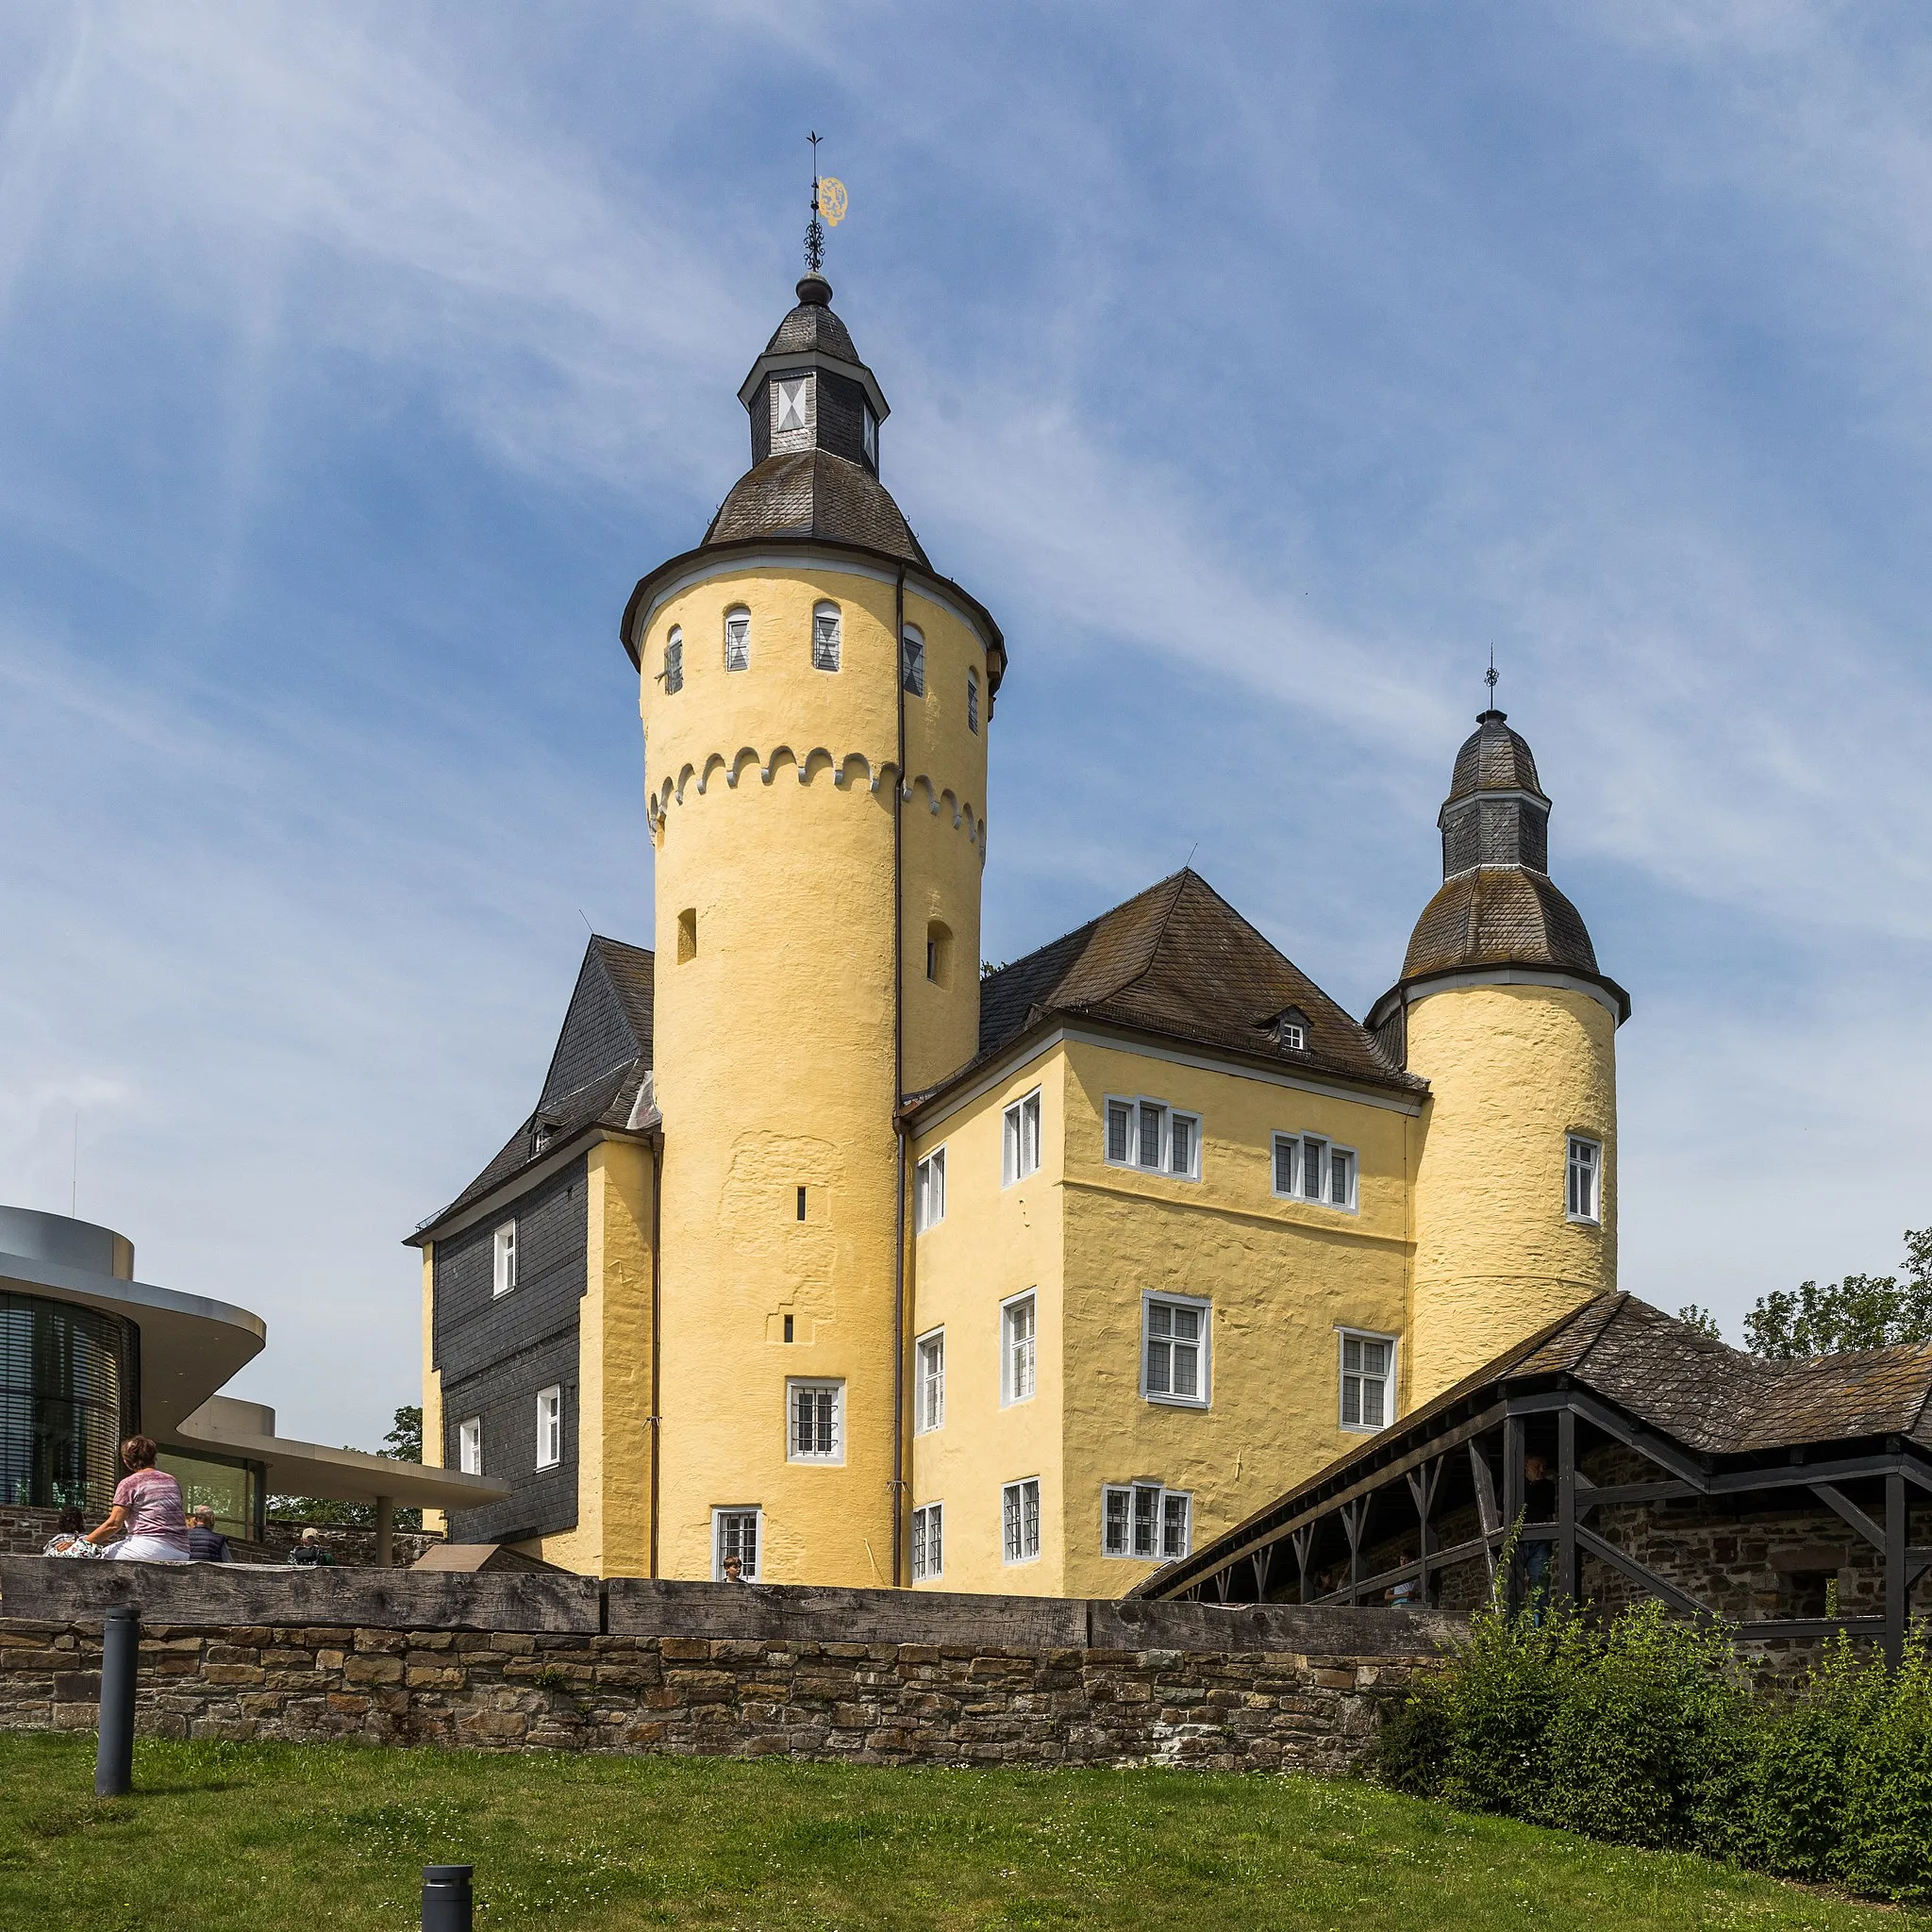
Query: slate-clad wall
(496, 1352)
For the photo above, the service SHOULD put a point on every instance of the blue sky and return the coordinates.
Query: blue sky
(1260, 369)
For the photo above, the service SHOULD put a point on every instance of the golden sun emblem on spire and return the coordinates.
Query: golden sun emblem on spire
(832, 199)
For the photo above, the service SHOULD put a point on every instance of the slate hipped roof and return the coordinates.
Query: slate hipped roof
(1178, 960)
(597, 1069)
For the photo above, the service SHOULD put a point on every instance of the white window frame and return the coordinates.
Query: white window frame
(1342, 1338)
(1143, 1112)
(912, 661)
(550, 1426)
(1020, 1157)
(1011, 1360)
(798, 389)
(1203, 1344)
(1166, 1549)
(1594, 1173)
(819, 1386)
(926, 1554)
(871, 435)
(503, 1260)
(1014, 1504)
(824, 658)
(738, 614)
(1330, 1150)
(671, 676)
(929, 1382)
(736, 1513)
(929, 1191)
(973, 700)
(470, 1445)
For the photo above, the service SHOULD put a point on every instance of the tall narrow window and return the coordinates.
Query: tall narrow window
(1119, 1129)
(929, 1192)
(825, 636)
(929, 1384)
(1367, 1367)
(687, 934)
(1018, 1343)
(1021, 1139)
(469, 1446)
(504, 1258)
(1287, 1148)
(1019, 1521)
(972, 700)
(872, 437)
(928, 1548)
(735, 1533)
(1586, 1178)
(1145, 1521)
(737, 640)
(912, 661)
(1341, 1177)
(1174, 1364)
(790, 404)
(673, 661)
(549, 1426)
(817, 1431)
(938, 952)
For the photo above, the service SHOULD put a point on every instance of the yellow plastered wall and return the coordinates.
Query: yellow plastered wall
(1514, 1071)
(995, 1241)
(612, 1533)
(1283, 1278)
(432, 1383)
(772, 792)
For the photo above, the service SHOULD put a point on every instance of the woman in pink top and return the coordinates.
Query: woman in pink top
(147, 1513)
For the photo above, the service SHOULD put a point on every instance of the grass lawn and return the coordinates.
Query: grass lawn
(258, 1837)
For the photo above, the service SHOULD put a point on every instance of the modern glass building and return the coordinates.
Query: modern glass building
(69, 1392)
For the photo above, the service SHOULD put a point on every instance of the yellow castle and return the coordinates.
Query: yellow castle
(826, 1256)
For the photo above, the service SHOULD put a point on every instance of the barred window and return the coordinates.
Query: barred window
(825, 636)
(1019, 1521)
(928, 1546)
(1145, 1521)
(737, 640)
(817, 1420)
(735, 1533)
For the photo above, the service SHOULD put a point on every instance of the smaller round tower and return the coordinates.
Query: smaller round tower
(1502, 1010)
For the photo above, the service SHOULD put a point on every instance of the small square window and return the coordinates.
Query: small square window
(912, 661)
(815, 1429)
(549, 1426)
(929, 1383)
(1585, 1184)
(503, 1260)
(735, 1535)
(1020, 1153)
(928, 1545)
(929, 1192)
(1173, 1363)
(1368, 1369)
(469, 1446)
(1019, 1521)
(738, 641)
(1018, 1345)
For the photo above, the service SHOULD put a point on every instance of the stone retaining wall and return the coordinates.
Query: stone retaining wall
(869, 1676)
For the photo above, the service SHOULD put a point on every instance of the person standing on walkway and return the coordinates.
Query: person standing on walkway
(146, 1515)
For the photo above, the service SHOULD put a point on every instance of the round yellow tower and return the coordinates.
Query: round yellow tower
(1502, 1010)
(816, 702)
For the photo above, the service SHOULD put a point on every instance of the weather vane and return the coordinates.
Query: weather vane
(828, 200)
(1489, 678)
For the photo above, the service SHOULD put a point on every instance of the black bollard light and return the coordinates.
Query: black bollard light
(446, 1903)
(114, 1751)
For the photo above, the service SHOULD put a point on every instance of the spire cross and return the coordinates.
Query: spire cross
(815, 229)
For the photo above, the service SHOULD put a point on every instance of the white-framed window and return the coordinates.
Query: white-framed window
(929, 1382)
(1309, 1167)
(504, 1258)
(1368, 1380)
(1019, 1521)
(1019, 1348)
(469, 1446)
(928, 1542)
(1146, 1522)
(872, 437)
(673, 661)
(825, 636)
(912, 660)
(815, 1422)
(1585, 1178)
(550, 1426)
(971, 699)
(790, 404)
(929, 1192)
(738, 639)
(1153, 1136)
(1174, 1349)
(1020, 1140)
(735, 1533)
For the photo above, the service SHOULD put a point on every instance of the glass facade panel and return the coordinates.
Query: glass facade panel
(67, 1380)
(232, 1489)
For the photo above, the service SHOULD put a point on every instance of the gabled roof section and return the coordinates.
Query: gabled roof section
(1179, 961)
(600, 1063)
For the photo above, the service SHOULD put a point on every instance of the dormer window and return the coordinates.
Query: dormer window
(1292, 1031)
(872, 438)
(788, 402)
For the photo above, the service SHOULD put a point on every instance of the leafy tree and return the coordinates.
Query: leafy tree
(404, 1442)
(1701, 1319)
(1861, 1311)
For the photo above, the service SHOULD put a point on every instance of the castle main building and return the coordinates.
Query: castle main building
(825, 1252)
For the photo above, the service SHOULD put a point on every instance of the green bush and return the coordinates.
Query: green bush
(1640, 1731)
